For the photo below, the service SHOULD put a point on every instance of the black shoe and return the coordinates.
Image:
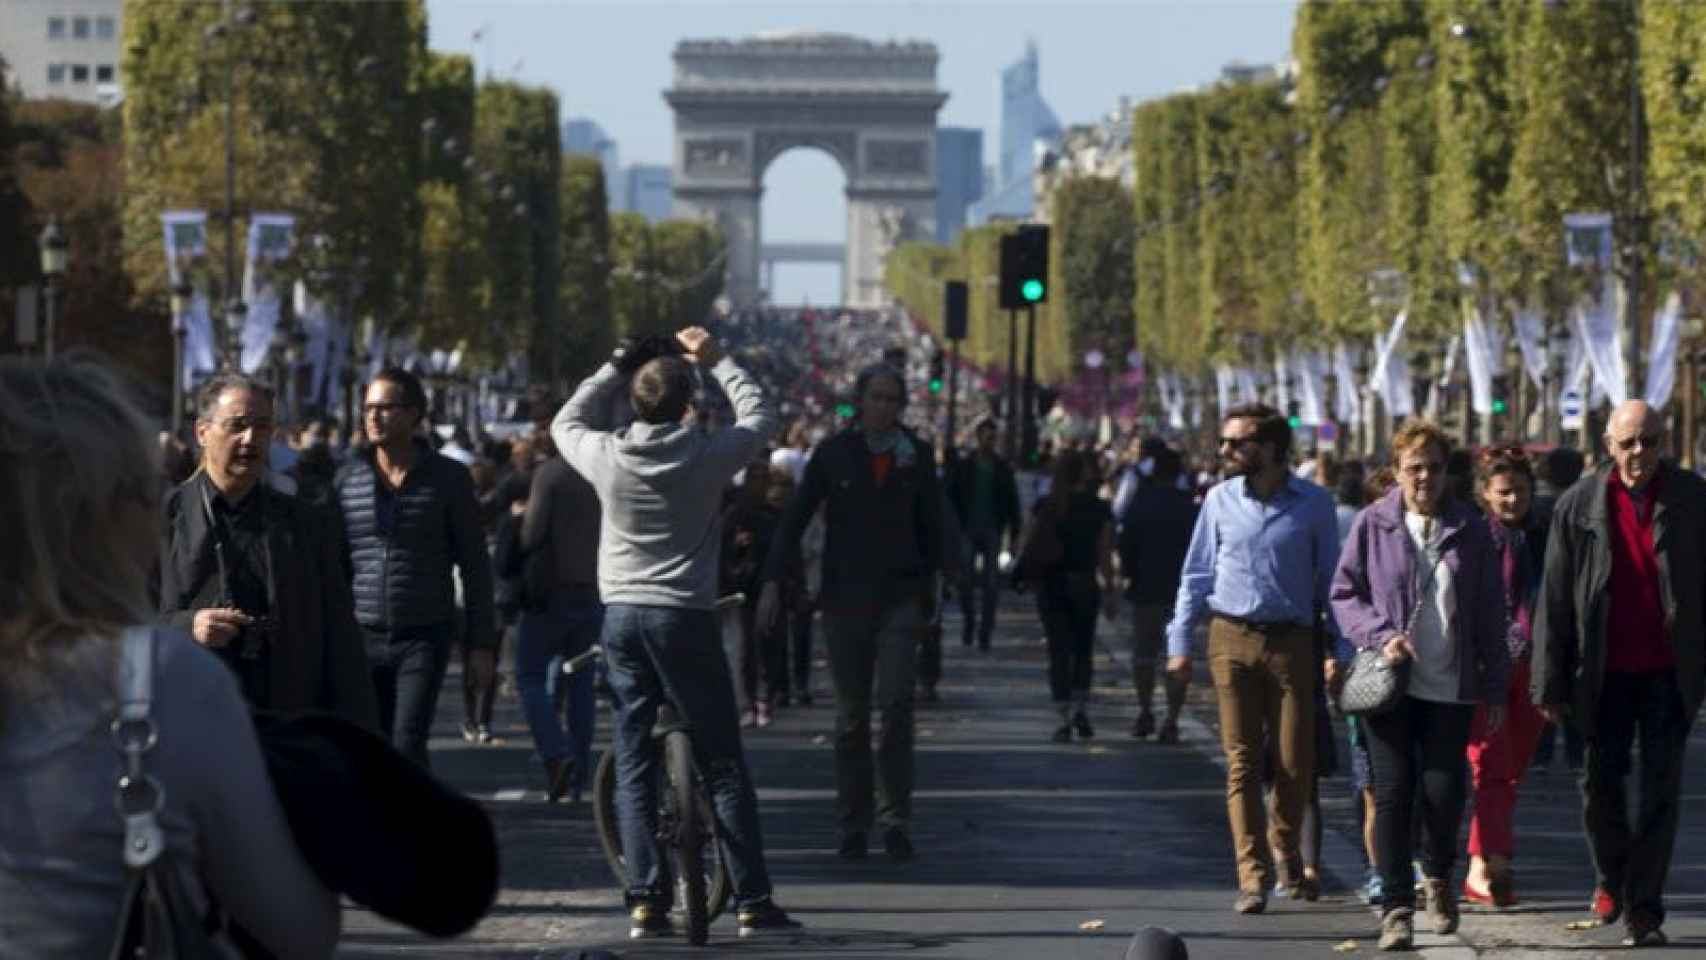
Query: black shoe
(558, 775)
(804, 699)
(1081, 723)
(852, 845)
(929, 695)
(969, 636)
(647, 922)
(898, 844)
(1063, 734)
(1144, 726)
(1169, 733)
(764, 917)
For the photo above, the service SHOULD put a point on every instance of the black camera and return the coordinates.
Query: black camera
(253, 639)
(635, 352)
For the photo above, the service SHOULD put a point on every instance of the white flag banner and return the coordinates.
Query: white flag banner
(327, 345)
(1384, 344)
(1173, 400)
(1483, 350)
(186, 241)
(1248, 391)
(1602, 344)
(1311, 367)
(1346, 409)
(1661, 356)
(269, 243)
(1391, 376)
(1530, 327)
(1223, 384)
(1436, 387)
(1282, 380)
(1198, 397)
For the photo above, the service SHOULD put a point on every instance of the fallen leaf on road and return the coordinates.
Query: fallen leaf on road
(1092, 925)
(1348, 946)
(1098, 749)
(820, 740)
(927, 733)
(1583, 925)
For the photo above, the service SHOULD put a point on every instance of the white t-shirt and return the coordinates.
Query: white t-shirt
(1434, 675)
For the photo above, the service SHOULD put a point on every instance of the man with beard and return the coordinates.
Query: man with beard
(1260, 561)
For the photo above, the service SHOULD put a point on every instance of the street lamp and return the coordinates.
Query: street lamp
(181, 295)
(54, 254)
(236, 316)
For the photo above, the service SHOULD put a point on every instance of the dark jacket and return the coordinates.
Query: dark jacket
(561, 522)
(1374, 590)
(317, 660)
(881, 544)
(1574, 608)
(1155, 533)
(404, 579)
(962, 490)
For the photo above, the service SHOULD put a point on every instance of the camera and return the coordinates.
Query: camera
(253, 639)
(635, 352)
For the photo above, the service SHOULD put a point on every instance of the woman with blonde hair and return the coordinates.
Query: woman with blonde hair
(1419, 581)
(79, 499)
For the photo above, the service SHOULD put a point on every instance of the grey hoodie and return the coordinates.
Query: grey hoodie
(660, 488)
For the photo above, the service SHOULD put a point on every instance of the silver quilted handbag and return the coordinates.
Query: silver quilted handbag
(1375, 684)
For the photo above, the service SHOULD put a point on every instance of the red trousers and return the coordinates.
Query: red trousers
(1497, 763)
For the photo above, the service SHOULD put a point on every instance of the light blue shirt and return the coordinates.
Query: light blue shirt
(1267, 561)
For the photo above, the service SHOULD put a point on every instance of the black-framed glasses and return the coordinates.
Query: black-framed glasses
(384, 409)
(1236, 441)
(1646, 441)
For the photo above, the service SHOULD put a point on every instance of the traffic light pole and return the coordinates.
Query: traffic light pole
(1030, 405)
(1013, 384)
(950, 446)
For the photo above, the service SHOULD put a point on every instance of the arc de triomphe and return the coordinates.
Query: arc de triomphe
(739, 104)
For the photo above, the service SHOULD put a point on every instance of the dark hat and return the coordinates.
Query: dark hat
(1156, 943)
(376, 827)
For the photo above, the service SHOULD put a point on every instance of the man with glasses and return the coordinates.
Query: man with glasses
(1627, 547)
(254, 574)
(410, 516)
(1260, 560)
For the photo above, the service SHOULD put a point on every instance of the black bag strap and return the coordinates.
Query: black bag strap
(140, 796)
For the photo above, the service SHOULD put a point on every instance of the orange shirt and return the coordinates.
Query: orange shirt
(881, 463)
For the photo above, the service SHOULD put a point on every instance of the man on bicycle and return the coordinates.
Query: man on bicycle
(659, 485)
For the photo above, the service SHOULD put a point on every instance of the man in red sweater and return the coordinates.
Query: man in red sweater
(1620, 645)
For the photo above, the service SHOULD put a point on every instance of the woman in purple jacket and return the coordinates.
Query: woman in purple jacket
(1419, 579)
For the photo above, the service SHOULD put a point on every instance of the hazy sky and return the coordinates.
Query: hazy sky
(611, 62)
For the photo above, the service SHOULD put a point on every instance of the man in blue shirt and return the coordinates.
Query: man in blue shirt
(1260, 560)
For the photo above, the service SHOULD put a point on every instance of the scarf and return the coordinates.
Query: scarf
(895, 441)
(1521, 584)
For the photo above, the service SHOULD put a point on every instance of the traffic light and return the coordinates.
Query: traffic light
(1499, 389)
(937, 371)
(1024, 267)
(1291, 414)
(844, 411)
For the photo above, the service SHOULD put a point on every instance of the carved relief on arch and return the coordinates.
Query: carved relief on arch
(843, 145)
(719, 157)
(888, 157)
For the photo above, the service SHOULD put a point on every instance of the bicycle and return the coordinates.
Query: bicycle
(689, 852)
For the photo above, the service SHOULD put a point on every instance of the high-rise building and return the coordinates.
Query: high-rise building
(67, 49)
(1028, 128)
(646, 190)
(959, 178)
(584, 135)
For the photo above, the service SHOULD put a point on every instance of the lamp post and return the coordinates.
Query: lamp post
(235, 310)
(236, 316)
(54, 254)
(181, 295)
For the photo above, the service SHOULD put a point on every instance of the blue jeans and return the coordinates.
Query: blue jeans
(568, 625)
(654, 653)
(408, 664)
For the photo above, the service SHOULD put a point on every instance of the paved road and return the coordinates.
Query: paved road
(1021, 841)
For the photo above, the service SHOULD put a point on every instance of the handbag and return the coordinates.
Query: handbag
(157, 918)
(1376, 684)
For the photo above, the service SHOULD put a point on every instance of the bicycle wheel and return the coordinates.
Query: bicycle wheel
(717, 880)
(691, 831)
(604, 816)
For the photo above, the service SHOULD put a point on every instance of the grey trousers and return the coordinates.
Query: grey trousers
(873, 657)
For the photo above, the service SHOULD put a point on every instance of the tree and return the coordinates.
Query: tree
(664, 276)
(453, 268)
(1090, 300)
(1149, 269)
(17, 249)
(588, 328)
(1673, 82)
(519, 158)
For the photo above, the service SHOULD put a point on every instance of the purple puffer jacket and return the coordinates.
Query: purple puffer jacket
(1374, 590)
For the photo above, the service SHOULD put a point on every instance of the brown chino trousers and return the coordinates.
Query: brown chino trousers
(1265, 679)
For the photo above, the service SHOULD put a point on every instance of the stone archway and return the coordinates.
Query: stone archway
(740, 104)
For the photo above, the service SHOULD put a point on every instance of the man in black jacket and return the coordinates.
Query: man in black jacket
(882, 551)
(255, 574)
(1627, 548)
(1155, 533)
(410, 516)
(985, 498)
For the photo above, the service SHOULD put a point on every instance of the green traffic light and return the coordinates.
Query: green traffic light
(935, 386)
(844, 410)
(1294, 422)
(1032, 290)
(1498, 406)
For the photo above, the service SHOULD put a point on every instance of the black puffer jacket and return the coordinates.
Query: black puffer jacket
(403, 579)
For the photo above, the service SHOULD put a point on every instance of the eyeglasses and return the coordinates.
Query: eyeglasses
(383, 409)
(1236, 441)
(245, 424)
(1647, 441)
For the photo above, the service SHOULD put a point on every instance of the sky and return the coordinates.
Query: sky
(611, 62)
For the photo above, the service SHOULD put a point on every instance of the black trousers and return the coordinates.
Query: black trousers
(1068, 606)
(408, 665)
(1418, 744)
(1631, 860)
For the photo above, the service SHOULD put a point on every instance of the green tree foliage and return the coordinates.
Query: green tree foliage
(1673, 82)
(1572, 148)
(914, 273)
(587, 333)
(1149, 295)
(519, 164)
(453, 264)
(328, 128)
(1181, 239)
(17, 263)
(1410, 236)
(665, 276)
(1090, 299)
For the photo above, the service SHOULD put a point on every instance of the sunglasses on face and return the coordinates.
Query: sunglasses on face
(1236, 442)
(1646, 441)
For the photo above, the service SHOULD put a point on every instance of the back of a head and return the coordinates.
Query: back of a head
(661, 390)
(79, 500)
(1157, 943)
(1561, 467)
(1167, 466)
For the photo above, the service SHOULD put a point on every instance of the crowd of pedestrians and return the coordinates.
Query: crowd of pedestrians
(1517, 597)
